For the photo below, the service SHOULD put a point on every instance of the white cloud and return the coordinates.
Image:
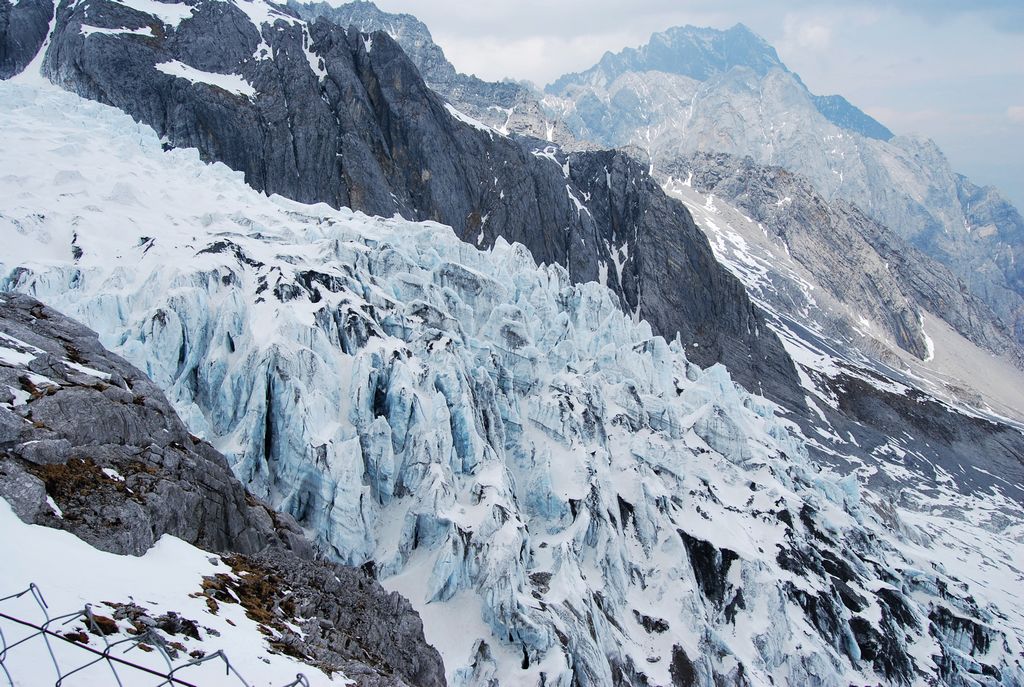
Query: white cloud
(1015, 113)
(536, 58)
(814, 34)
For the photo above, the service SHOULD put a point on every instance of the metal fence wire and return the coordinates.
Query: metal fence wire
(69, 656)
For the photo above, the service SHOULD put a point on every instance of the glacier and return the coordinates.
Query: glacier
(562, 495)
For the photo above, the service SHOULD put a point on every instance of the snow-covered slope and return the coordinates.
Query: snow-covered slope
(166, 581)
(562, 495)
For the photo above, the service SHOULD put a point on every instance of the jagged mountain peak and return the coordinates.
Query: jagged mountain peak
(727, 42)
(692, 51)
(704, 53)
(903, 182)
(364, 14)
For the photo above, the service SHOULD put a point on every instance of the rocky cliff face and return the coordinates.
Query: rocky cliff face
(997, 231)
(776, 234)
(318, 113)
(513, 453)
(90, 445)
(23, 28)
(692, 90)
(506, 106)
(858, 261)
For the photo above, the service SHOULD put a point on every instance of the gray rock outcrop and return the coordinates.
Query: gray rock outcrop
(859, 261)
(23, 28)
(507, 106)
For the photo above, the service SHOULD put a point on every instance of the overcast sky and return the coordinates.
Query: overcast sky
(952, 70)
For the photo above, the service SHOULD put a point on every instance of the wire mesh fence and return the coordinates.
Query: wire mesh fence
(57, 647)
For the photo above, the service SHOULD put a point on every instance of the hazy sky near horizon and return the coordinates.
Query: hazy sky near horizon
(952, 70)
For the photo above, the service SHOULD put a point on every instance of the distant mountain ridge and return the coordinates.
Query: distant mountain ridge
(885, 287)
(693, 89)
(702, 53)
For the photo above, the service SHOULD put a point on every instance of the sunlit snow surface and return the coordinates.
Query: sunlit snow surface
(70, 574)
(516, 456)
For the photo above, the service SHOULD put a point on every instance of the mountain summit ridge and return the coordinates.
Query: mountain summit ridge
(701, 53)
(764, 110)
(696, 52)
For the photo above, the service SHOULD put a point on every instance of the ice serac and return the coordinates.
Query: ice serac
(520, 458)
(343, 117)
(91, 445)
(693, 89)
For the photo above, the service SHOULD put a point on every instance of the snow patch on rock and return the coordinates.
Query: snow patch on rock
(232, 83)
